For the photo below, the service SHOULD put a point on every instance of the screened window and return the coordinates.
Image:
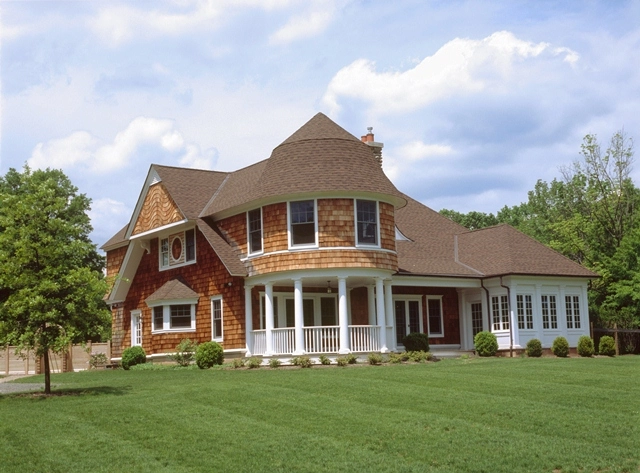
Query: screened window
(572, 305)
(500, 312)
(434, 311)
(367, 222)
(549, 312)
(303, 222)
(216, 318)
(254, 224)
(525, 311)
(180, 316)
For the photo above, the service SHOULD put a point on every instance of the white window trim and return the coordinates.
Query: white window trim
(355, 221)
(166, 315)
(533, 311)
(221, 337)
(435, 335)
(580, 308)
(282, 307)
(255, 253)
(405, 299)
(559, 312)
(502, 323)
(315, 223)
(135, 316)
(184, 249)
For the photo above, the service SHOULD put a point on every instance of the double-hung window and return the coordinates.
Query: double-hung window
(178, 249)
(302, 223)
(434, 311)
(367, 222)
(500, 313)
(525, 311)
(136, 328)
(216, 318)
(174, 317)
(254, 231)
(572, 306)
(549, 312)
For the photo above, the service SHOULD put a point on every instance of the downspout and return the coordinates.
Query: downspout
(510, 321)
(488, 304)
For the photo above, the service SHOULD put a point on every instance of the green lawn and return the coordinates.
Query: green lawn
(481, 415)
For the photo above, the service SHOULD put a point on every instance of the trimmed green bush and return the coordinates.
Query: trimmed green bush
(133, 356)
(209, 354)
(374, 358)
(302, 361)
(585, 346)
(253, 362)
(560, 347)
(486, 343)
(185, 352)
(534, 348)
(416, 341)
(351, 359)
(274, 363)
(237, 363)
(395, 358)
(341, 361)
(607, 346)
(419, 356)
(324, 360)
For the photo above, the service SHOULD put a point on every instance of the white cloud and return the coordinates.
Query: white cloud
(311, 23)
(460, 66)
(82, 149)
(417, 151)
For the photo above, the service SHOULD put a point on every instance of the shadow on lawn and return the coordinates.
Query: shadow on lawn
(94, 391)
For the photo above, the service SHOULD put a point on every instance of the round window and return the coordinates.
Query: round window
(176, 248)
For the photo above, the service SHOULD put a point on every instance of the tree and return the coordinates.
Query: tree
(51, 280)
(472, 220)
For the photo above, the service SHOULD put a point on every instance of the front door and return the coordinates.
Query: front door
(408, 320)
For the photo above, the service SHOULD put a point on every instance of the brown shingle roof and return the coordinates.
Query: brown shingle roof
(116, 240)
(172, 290)
(502, 250)
(227, 255)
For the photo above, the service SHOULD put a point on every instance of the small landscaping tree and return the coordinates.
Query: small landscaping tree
(185, 352)
(534, 348)
(560, 347)
(486, 343)
(585, 346)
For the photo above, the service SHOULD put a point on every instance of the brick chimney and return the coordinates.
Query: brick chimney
(375, 146)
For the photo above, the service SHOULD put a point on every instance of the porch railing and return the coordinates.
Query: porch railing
(322, 339)
(259, 342)
(364, 338)
(284, 341)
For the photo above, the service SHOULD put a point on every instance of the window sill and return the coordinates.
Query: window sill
(165, 268)
(173, 330)
(436, 335)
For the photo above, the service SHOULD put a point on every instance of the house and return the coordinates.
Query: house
(314, 251)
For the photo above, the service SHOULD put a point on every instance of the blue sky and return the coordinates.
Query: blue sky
(474, 101)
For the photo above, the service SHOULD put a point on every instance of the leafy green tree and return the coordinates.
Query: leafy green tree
(472, 220)
(51, 280)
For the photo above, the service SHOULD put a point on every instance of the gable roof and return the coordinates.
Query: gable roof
(172, 290)
(502, 250)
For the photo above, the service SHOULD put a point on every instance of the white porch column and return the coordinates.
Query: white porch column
(388, 308)
(372, 304)
(343, 316)
(298, 316)
(248, 321)
(382, 322)
(268, 314)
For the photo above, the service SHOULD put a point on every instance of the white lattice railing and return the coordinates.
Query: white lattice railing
(284, 342)
(259, 342)
(364, 338)
(322, 339)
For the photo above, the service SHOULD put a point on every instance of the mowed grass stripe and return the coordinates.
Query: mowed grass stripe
(456, 415)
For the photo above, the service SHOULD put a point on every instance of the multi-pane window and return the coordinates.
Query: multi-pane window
(572, 305)
(407, 313)
(367, 222)
(500, 312)
(254, 225)
(434, 311)
(525, 311)
(136, 328)
(158, 317)
(303, 222)
(178, 249)
(216, 318)
(180, 316)
(476, 318)
(549, 312)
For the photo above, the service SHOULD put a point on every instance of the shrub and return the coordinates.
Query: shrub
(133, 356)
(486, 343)
(98, 359)
(341, 361)
(302, 361)
(418, 356)
(253, 362)
(585, 346)
(607, 346)
(534, 348)
(374, 358)
(560, 347)
(351, 359)
(274, 362)
(237, 363)
(185, 352)
(209, 354)
(395, 358)
(416, 341)
(324, 360)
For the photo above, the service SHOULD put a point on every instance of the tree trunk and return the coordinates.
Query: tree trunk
(47, 373)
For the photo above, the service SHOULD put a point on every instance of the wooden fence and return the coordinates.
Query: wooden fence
(628, 339)
(76, 359)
